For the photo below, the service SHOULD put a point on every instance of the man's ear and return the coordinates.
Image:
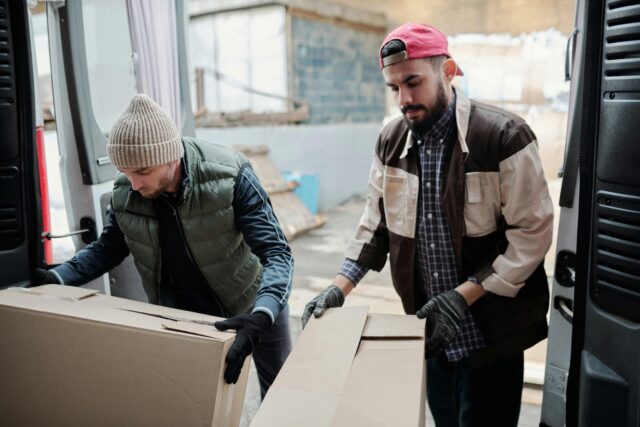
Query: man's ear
(449, 68)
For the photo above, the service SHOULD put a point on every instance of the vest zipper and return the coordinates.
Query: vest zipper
(157, 284)
(176, 214)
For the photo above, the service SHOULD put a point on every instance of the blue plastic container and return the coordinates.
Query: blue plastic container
(308, 189)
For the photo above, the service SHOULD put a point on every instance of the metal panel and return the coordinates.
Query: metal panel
(20, 222)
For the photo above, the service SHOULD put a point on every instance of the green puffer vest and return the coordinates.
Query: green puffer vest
(208, 221)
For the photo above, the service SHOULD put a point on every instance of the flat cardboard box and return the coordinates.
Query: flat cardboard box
(73, 357)
(351, 369)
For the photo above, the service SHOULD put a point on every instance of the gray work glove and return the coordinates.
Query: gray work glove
(444, 314)
(332, 296)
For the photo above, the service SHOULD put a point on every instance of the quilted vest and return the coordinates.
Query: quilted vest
(208, 223)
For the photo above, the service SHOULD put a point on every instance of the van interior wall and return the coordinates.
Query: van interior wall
(340, 154)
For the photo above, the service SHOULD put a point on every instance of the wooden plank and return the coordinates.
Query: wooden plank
(294, 217)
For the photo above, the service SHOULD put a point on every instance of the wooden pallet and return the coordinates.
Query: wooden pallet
(294, 217)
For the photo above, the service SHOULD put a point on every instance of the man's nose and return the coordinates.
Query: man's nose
(404, 98)
(135, 183)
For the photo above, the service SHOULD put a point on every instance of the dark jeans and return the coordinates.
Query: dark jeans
(461, 396)
(273, 349)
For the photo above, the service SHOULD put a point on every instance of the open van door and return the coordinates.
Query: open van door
(102, 53)
(21, 151)
(596, 297)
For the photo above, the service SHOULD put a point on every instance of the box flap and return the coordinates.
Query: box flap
(291, 408)
(167, 316)
(392, 326)
(336, 377)
(199, 329)
(322, 357)
(58, 291)
(49, 305)
(151, 309)
(399, 371)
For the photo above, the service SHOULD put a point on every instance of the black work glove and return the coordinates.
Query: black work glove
(40, 276)
(249, 329)
(332, 296)
(444, 313)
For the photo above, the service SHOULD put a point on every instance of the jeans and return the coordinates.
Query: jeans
(462, 396)
(271, 352)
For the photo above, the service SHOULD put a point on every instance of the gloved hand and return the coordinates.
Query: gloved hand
(331, 297)
(40, 276)
(444, 313)
(249, 329)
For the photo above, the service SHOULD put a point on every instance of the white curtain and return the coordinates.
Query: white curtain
(152, 24)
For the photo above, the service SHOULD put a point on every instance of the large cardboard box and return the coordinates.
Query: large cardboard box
(351, 369)
(73, 357)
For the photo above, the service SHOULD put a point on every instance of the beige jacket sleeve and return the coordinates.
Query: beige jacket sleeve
(370, 244)
(528, 210)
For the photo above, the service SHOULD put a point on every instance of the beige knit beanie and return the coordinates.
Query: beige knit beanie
(143, 136)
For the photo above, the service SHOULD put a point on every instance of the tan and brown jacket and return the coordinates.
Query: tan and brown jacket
(500, 217)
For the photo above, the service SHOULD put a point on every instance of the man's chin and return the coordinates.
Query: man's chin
(149, 194)
(416, 125)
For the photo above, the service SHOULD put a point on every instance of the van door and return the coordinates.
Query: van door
(603, 386)
(21, 222)
(100, 58)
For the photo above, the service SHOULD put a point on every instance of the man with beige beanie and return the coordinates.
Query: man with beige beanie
(202, 233)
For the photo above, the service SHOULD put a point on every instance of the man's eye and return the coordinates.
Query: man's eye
(394, 89)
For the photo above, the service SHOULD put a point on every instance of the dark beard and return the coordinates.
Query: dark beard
(420, 128)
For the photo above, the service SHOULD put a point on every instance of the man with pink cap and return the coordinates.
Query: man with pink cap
(459, 205)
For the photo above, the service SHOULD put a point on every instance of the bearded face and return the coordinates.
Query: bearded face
(421, 123)
(421, 91)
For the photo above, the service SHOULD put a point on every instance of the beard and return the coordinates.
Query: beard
(150, 194)
(432, 115)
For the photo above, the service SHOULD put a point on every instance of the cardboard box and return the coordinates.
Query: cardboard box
(71, 356)
(351, 369)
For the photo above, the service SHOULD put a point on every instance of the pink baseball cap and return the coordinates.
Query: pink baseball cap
(421, 41)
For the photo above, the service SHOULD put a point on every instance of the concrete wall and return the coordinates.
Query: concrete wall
(340, 153)
(476, 16)
(335, 70)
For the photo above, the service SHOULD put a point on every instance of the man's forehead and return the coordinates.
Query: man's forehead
(406, 70)
(135, 170)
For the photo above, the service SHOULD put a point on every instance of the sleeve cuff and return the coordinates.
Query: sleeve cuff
(268, 305)
(59, 272)
(497, 285)
(352, 270)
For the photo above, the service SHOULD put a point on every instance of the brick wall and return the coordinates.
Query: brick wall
(336, 71)
(476, 16)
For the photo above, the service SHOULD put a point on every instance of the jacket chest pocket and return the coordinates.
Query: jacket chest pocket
(400, 197)
(482, 203)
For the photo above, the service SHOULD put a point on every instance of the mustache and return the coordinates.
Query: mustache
(415, 107)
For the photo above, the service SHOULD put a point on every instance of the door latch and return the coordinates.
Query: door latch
(87, 232)
(565, 273)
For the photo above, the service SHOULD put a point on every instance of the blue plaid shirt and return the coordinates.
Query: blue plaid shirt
(437, 269)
